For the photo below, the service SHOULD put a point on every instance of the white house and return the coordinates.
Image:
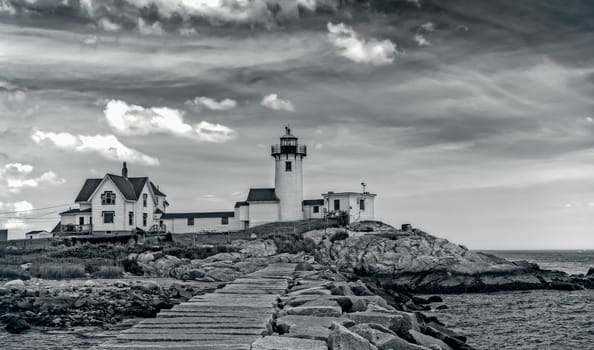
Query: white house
(359, 206)
(116, 205)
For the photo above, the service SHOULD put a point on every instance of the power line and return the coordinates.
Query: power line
(37, 209)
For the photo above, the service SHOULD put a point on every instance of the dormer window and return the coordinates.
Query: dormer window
(108, 198)
(144, 199)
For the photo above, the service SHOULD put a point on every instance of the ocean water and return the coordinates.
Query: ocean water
(543, 320)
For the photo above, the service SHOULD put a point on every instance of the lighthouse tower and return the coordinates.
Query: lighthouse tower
(288, 176)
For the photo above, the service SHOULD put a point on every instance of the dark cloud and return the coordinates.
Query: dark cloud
(497, 103)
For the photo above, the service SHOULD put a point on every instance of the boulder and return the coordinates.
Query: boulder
(388, 320)
(315, 310)
(89, 283)
(304, 266)
(308, 327)
(340, 338)
(222, 274)
(374, 333)
(286, 343)
(16, 324)
(149, 287)
(435, 299)
(397, 343)
(15, 284)
(145, 258)
(590, 272)
(429, 341)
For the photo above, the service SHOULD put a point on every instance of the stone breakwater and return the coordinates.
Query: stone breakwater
(418, 262)
(323, 310)
(293, 306)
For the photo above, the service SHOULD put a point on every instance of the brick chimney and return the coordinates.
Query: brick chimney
(125, 171)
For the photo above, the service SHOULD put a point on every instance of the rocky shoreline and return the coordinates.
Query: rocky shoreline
(368, 268)
(416, 262)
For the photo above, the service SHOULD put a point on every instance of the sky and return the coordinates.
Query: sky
(472, 120)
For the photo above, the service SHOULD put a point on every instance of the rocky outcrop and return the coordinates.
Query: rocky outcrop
(415, 261)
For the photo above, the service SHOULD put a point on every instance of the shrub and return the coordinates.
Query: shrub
(107, 271)
(13, 272)
(132, 267)
(339, 236)
(58, 271)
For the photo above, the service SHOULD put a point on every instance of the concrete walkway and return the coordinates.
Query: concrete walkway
(231, 318)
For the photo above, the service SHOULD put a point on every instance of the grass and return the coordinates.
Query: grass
(13, 272)
(58, 271)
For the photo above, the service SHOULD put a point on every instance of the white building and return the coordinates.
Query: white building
(115, 205)
(38, 234)
(121, 204)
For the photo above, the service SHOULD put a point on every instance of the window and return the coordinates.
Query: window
(108, 198)
(130, 218)
(144, 218)
(288, 166)
(190, 221)
(81, 220)
(316, 209)
(362, 204)
(337, 204)
(224, 220)
(108, 217)
(144, 199)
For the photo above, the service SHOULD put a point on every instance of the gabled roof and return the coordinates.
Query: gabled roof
(156, 190)
(87, 190)
(75, 211)
(58, 227)
(215, 214)
(313, 202)
(262, 195)
(130, 187)
(241, 204)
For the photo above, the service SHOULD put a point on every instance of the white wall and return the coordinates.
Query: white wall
(350, 203)
(289, 186)
(119, 209)
(139, 209)
(308, 212)
(200, 225)
(263, 213)
(40, 235)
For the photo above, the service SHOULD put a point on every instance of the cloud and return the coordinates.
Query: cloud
(150, 29)
(421, 40)
(428, 27)
(129, 119)
(15, 176)
(7, 8)
(590, 119)
(107, 25)
(16, 210)
(212, 104)
(272, 101)
(107, 146)
(360, 50)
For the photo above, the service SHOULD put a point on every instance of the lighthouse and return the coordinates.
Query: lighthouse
(288, 175)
